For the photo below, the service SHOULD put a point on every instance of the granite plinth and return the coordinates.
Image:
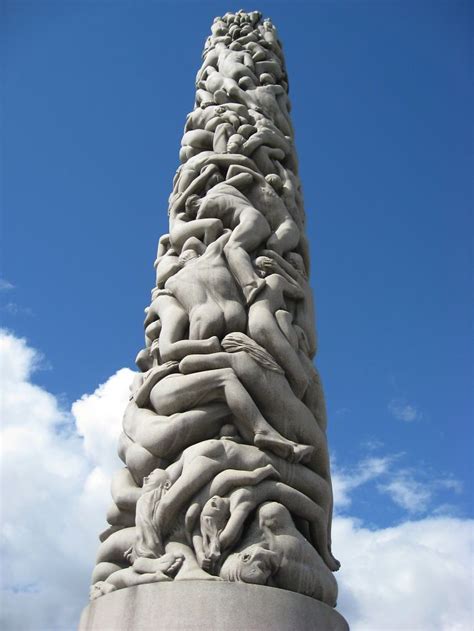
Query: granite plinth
(213, 606)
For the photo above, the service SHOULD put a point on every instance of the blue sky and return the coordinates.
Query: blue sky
(95, 96)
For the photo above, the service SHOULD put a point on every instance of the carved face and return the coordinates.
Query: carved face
(192, 205)
(157, 478)
(254, 564)
(216, 507)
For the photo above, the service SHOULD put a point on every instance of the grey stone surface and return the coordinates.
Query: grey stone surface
(226, 475)
(202, 606)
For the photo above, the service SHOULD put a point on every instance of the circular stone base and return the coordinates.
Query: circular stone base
(209, 606)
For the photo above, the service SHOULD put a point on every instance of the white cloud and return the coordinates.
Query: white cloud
(5, 285)
(54, 493)
(415, 577)
(98, 419)
(403, 411)
(415, 495)
(55, 489)
(344, 482)
(408, 493)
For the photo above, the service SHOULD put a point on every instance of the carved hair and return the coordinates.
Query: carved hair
(230, 571)
(235, 342)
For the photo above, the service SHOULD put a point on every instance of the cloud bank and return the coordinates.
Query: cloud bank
(56, 467)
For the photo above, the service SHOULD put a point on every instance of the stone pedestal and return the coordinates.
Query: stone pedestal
(209, 606)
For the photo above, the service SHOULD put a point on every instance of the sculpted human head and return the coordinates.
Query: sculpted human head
(235, 143)
(275, 182)
(217, 509)
(158, 478)
(267, 79)
(296, 260)
(264, 266)
(192, 205)
(254, 564)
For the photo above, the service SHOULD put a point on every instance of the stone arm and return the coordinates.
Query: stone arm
(227, 480)
(229, 159)
(241, 181)
(241, 169)
(286, 269)
(273, 140)
(153, 376)
(242, 504)
(196, 185)
(197, 363)
(246, 39)
(229, 117)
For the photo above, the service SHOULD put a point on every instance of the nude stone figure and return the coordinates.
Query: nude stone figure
(226, 473)
(249, 228)
(163, 569)
(270, 390)
(233, 62)
(255, 217)
(263, 193)
(266, 145)
(177, 393)
(174, 326)
(303, 309)
(200, 463)
(270, 98)
(281, 557)
(193, 176)
(264, 328)
(208, 293)
(217, 524)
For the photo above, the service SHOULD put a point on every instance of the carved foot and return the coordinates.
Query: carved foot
(100, 589)
(169, 564)
(283, 448)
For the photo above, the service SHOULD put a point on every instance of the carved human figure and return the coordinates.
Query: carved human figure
(249, 228)
(264, 327)
(263, 193)
(217, 524)
(277, 554)
(197, 466)
(208, 293)
(174, 326)
(177, 393)
(292, 268)
(233, 62)
(193, 176)
(268, 136)
(200, 463)
(206, 520)
(264, 142)
(255, 217)
(214, 88)
(270, 390)
(269, 97)
(226, 469)
(221, 122)
(140, 573)
(268, 31)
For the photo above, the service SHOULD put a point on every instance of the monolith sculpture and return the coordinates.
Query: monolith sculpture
(221, 515)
